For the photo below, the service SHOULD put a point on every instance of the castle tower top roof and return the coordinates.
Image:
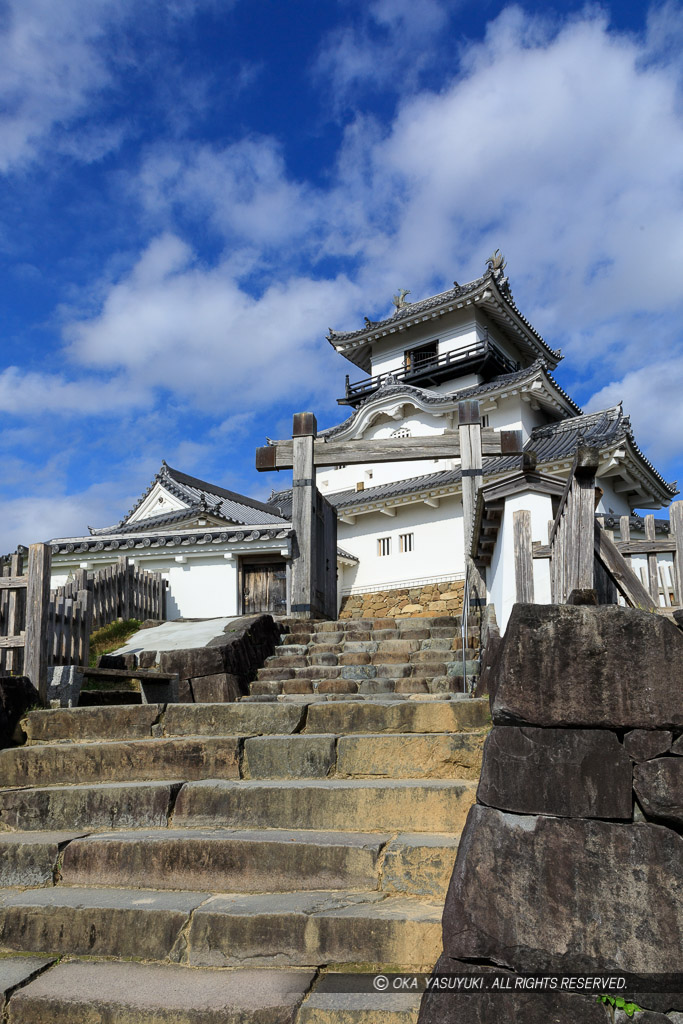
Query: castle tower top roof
(490, 292)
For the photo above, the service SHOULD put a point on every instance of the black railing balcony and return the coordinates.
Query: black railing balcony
(482, 356)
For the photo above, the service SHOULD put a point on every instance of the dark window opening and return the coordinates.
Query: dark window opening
(416, 358)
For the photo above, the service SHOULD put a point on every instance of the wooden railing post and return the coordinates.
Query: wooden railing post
(524, 557)
(304, 431)
(676, 527)
(37, 605)
(652, 574)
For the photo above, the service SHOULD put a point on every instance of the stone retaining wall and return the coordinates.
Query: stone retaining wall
(414, 602)
(572, 858)
(219, 672)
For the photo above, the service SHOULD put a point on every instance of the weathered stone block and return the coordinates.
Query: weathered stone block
(97, 723)
(129, 805)
(419, 864)
(607, 666)
(289, 757)
(644, 744)
(576, 773)
(239, 719)
(96, 922)
(542, 893)
(217, 689)
(659, 788)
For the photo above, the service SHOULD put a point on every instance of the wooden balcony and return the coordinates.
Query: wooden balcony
(482, 357)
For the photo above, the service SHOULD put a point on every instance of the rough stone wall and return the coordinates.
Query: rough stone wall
(415, 602)
(219, 672)
(572, 858)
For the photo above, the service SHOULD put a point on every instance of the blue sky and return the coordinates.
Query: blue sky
(193, 191)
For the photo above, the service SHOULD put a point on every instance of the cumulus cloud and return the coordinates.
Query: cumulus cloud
(561, 143)
(174, 323)
(652, 397)
(389, 45)
(29, 393)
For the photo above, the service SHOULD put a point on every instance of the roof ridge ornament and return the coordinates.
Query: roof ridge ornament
(496, 263)
(399, 300)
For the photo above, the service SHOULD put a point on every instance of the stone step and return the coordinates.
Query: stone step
(229, 930)
(196, 757)
(325, 1007)
(419, 755)
(298, 672)
(138, 993)
(266, 860)
(327, 804)
(30, 858)
(224, 860)
(391, 716)
(138, 722)
(114, 805)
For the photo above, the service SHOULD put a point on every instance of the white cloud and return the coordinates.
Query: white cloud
(173, 323)
(56, 60)
(242, 189)
(390, 44)
(652, 397)
(561, 144)
(28, 393)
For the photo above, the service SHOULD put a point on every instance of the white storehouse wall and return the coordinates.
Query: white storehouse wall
(438, 545)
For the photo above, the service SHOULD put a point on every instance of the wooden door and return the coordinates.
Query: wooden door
(264, 588)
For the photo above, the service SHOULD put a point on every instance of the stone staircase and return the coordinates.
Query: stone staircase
(370, 658)
(194, 863)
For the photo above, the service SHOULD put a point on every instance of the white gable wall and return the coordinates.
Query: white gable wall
(158, 502)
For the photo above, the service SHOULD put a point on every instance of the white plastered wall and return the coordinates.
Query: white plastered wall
(501, 572)
(438, 545)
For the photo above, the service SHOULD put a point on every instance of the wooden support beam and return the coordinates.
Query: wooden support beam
(471, 468)
(388, 511)
(133, 673)
(280, 454)
(13, 582)
(12, 641)
(622, 574)
(37, 608)
(646, 547)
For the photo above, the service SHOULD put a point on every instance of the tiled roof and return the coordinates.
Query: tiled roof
(491, 279)
(199, 496)
(122, 541)
(392, 388)
(599, 429)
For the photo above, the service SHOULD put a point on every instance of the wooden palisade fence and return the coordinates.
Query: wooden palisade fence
(39, 628)
(119, 591)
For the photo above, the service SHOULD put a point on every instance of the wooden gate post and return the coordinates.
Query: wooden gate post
(524, 557)
(304, 519)
(471, 467)
(37, 606)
